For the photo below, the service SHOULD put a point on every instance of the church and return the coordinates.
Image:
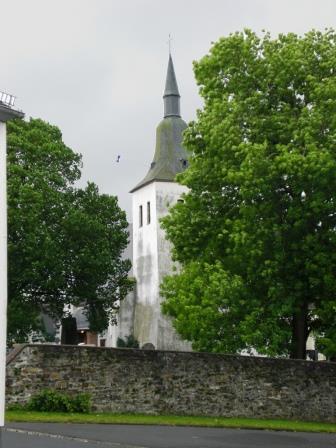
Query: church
(140, 316)
(140, 313)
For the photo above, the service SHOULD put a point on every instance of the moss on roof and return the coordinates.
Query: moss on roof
(170, 157)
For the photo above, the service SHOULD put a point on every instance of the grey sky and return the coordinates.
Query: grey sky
(96, 68)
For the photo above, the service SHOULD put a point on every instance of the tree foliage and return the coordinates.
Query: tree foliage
(64, 243)
(255, 236)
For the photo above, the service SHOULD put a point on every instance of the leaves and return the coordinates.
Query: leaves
(261, 199)
(64, 243)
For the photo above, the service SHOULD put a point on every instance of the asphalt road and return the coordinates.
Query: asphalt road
(54, 435)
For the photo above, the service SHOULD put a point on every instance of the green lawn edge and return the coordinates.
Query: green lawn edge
(171, 420)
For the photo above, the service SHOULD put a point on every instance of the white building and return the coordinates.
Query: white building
(140, 313)
(7, 112)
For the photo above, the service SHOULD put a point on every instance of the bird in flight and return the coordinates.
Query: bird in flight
(118, 158)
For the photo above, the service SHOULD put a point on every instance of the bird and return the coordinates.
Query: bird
(118, 158)
(184, 162)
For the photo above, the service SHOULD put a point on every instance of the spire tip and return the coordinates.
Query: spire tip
(169, 43)
(171, 94)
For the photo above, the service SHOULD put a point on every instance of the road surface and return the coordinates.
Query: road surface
(55, 435)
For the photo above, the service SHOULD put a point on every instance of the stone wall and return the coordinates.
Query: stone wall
(141, 381)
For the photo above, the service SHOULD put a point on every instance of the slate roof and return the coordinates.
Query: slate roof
(170, 157)
(171, 83)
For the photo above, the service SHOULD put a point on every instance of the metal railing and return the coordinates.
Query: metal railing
(7, 99)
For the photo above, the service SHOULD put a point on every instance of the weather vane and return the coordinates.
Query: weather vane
(169, 42)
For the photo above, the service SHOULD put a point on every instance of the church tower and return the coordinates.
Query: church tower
(151, 200)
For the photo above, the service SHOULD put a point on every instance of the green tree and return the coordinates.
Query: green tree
(255, 236)
(64, 243)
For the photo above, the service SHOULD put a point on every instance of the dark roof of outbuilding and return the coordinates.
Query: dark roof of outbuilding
(8, 113)
(81, 319)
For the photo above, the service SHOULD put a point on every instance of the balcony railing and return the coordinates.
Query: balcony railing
(7, 99)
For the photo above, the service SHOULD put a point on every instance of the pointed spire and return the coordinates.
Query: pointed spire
(171, 96)
(171, 84)
(170, 157)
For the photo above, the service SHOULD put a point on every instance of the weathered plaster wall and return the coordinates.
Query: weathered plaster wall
(167, 194)
(151, 262)
(127, 380)
(145, 267)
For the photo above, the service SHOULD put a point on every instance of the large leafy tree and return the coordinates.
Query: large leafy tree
(64, 243)
(255, 236)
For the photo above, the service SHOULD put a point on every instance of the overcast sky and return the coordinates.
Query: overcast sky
(96, 68)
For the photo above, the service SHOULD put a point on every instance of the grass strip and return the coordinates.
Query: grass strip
(172, 420)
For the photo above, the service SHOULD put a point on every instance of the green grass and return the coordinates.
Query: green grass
(174, 420)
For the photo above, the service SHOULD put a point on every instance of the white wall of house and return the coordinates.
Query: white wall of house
(3, 268)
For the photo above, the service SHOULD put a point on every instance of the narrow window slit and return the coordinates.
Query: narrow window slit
(140, 216)
(148, 213)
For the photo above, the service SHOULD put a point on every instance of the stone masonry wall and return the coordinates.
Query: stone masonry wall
(154, 382)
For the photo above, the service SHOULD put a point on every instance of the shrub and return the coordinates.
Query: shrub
(129, 342)
(81, 403)
(53, 401)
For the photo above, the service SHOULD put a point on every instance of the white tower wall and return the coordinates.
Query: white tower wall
(167, 194)
(151, 262)
(145, 265)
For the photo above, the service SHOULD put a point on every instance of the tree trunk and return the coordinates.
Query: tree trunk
(299, 333)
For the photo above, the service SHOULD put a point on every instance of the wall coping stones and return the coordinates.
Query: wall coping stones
(149, 352)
